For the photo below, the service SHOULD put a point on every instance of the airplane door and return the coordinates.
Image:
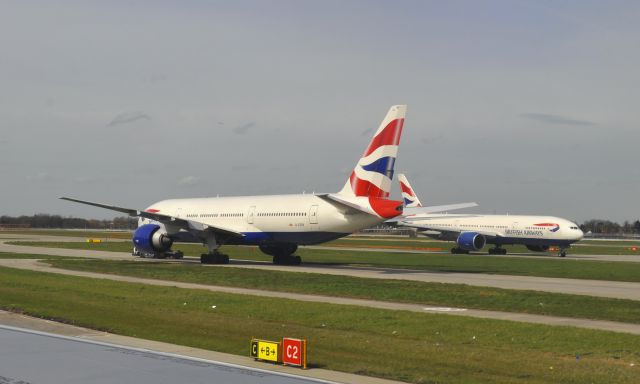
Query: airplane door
(251, 214)
(313, 215)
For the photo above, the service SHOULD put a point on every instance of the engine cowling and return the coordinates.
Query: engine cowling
(538, 248)
(151, 238)
(471, 241)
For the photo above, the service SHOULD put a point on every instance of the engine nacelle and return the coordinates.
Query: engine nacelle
(151, 238)
(471, 241)
(538, 248)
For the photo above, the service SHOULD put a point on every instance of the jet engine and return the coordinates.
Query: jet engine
(538, 248)
(152, 238)
(471, 241)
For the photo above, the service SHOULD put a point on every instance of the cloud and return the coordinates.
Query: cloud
(244, 128)
(367, 131)
(128, 117)
(43, 177)
(154, 78)
(189, 181)
(432, 139)
(244, 167)
(556, 119)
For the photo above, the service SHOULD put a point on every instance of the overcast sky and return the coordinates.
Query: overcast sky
(526, 107)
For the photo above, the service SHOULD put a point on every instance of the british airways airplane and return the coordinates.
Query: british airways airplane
(473, 232)
(278, 223)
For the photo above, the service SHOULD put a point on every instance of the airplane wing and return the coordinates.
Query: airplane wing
(426, 227)
(438, 208)
(189, 225)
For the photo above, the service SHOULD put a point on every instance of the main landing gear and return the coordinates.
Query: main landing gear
(282, 253)
(563, 252)
(287, 260)
(457, 250)
(497, 250)
(214, 258)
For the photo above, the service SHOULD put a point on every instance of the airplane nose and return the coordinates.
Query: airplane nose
(579, 235)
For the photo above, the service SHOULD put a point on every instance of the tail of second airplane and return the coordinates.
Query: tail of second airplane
(373, 173)
(408, 195)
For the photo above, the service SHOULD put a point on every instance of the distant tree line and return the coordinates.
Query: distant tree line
(610, 227)
(43, 220)
(56, 221)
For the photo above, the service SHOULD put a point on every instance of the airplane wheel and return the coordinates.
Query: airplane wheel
(563, 254)
(503, 252)
(214, 258)
(287, 260)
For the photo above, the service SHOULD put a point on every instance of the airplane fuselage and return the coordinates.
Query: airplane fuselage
(503, 229)
(301, 219)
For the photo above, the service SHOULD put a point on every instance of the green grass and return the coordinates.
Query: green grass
(419, 348)
(499, 265)
(71, 233)
(438, 294)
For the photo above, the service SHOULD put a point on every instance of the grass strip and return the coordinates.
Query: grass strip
(437, 294)
(499, 265)
(418, 348)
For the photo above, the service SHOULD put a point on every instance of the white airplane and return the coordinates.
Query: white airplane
(278, 223)
(473, 232)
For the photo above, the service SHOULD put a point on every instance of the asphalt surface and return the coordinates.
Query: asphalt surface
(28, 356)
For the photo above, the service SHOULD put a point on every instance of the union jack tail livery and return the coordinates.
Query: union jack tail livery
(373, 174)
(408, 195)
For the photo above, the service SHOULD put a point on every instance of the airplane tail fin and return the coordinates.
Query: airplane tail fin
(408, 195)
(373, 173)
